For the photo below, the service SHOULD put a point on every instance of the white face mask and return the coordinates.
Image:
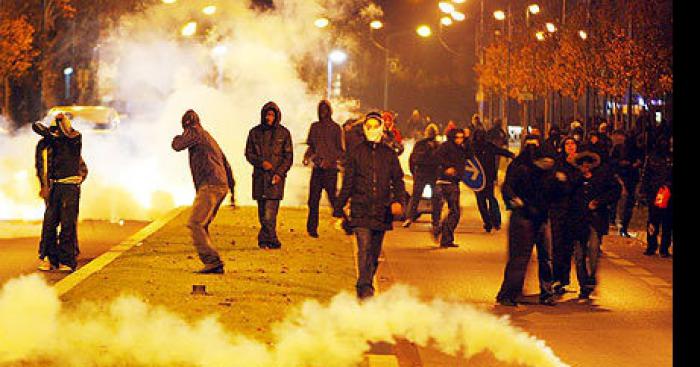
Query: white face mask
(374, 132)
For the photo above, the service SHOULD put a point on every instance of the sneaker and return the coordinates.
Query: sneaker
(46, 266)
(665, 255)
(487, 229)
(211, 269)
(313, 234)
(585, 294)
(507, 302)
(274, 246)
(407, 223)
(497, 227)
(559, 289)
(65, 268)
(435, 232)
(263, 245)
(450, 245)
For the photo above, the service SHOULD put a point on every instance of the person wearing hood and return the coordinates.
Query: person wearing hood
(269, 150)
(61, 171)
(498, 136)
(657, 185)
(452, 159)
(594, 190)
(553, 142)
(325, 151)
(487, 152)
(476, 123)
(576, 131)
(423, 167)
(527, 191)
(373, 183)
(626, 164)
(392, 136)
(213, 180)
(597, 146)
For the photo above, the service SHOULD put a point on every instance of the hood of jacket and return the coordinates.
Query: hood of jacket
(325, 111)
(270, 106)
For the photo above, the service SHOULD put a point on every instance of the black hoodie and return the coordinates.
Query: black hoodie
(325, 139)
(271, 143)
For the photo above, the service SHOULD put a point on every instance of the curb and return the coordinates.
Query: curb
(72, 280)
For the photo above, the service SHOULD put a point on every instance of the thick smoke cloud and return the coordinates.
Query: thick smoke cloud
(34, 327)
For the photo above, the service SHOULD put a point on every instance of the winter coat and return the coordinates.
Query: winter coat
(392, 139)
(372, 181)
(601, 186)
(497, 136)
(44, 162)
(622, 160)
(63, 155)
(533, 183)
(208, 163)
(452, 155)
(272, 144)
(422, 160)
(325, 141)
(486, 152)
(657, 173)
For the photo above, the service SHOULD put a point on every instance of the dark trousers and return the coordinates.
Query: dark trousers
(488, 207)
(267, 215)
(206, 205)
(369, 247)
(523, 233)
(61, 209)
(660, 222)
(419, 184)
(628, 202)
(562, 249)
(586, 253)
(321, 179)
(448, 193)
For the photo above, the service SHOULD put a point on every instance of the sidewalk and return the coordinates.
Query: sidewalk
(259, 287)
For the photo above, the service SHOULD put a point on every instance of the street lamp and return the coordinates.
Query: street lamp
(539, 35)
(67, 72)
(583, 34)
(499, 15)
(446, 7)
(334, 57)
(209, 10)
(458, 16)
(459, 1)
(189, 29)
(424, 31)
(376, 24)
(169, 1)
(531, 9)
(551, 28)
(446, 21)
(321, 22)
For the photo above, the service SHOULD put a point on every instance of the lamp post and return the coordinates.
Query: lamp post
(67, 72)
(334, 57)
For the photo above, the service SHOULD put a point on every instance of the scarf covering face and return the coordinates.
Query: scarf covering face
(373, 128)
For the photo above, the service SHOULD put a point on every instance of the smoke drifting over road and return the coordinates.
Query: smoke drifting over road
(34, 328)
(249, 57)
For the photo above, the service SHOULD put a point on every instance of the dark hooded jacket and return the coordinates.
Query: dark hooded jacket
(422, 160)
(272, 144)
(658, 172)
(601, 186)
(325, 139)
(63, 155)
(208, 162)
(486, 152)
(450, 154)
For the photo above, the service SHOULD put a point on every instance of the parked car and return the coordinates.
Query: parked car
(84, 118)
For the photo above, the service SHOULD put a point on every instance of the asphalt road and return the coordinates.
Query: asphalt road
(628, 323)
(20, 240)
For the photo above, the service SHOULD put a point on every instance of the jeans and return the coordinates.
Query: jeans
(206, 205)
(419, 185)
(321, 179)
(61, 208)
(562, 248)
(369, 247)
(488, 207)
(267, 215)
(660, 221)
(586, 254)
(450, 194)
(628, 203)
(523, 233)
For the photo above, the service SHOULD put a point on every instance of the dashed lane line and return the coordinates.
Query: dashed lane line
(642, 274)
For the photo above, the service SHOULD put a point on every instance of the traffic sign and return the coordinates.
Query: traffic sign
(474, 175)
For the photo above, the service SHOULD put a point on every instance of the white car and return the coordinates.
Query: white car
(84, 118)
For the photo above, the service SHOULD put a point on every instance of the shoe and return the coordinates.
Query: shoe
(559, 289)
(435, 232)
(46, 266)
(665, 255)
(274, 246)
(450, 245)
(585, 294)
(211, 269)
(649, 253)
(548, 301)
(623, 233)
(497, 228)
(487, 229)
(313, 234)
(263, 245)
(65, 268)
(507, 302)
(407, 223)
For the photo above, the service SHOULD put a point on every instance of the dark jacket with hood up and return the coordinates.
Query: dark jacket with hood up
(422, 160)
(272, 144)
(373, 180)
(486, 152)
(602, 187)
(325, 139)
(208, 163)
(450, 154)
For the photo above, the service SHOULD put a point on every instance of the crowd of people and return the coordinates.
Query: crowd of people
(562, 190)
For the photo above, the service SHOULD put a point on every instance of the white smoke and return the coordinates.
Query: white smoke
(35, 328)
(247, 59)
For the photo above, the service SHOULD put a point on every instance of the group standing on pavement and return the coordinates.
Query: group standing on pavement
(562, 192)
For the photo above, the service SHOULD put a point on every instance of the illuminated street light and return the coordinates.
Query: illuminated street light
(551, 28)
(533, 8)
(458, 16)
(321, 22)
(219, 50)
(424, 31)
(68, 71)
(209, 10)
(337, 56)
(583, 34)
(189, 29)
(446, 7)
(540, 36)
(376, 24)
(169, 1)
(459, 1)
(446, 21)
(499, 15)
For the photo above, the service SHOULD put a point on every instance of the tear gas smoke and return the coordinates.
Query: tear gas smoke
(157, 74)
(34, 327)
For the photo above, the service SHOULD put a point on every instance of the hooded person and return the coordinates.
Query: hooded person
(373, 183)
(657, 186)
(553, 142)
(269, 151)
(527, 191)
(452, 159)
(325, 151)
(392, 135)
(213, 180)
(61, 170)
(423, 168)
(486, 152)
